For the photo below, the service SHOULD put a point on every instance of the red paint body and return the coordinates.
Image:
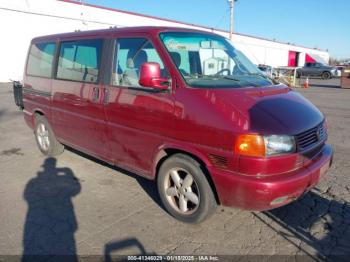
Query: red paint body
(134, 128)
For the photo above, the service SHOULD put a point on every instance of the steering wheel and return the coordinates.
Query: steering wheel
(221, 72)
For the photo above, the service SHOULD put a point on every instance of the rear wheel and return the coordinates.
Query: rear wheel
(185, 190)
(45, 138)
(326, 75)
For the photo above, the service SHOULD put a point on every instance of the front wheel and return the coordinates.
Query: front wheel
(185, 190)
(326, 75)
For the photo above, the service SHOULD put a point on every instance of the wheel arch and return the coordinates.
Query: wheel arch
(38, 112)
(328, 72)
(167, 151)
(35, 113)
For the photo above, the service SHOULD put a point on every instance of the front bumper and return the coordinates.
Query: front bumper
(264, 193)
(334, 73)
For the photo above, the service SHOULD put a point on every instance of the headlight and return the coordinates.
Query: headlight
(275, 145)
(261, 146)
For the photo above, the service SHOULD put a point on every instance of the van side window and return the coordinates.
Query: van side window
(131, 53)
(80, 60)
(40, 59)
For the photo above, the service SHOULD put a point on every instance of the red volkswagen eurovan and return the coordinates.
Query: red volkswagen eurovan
(182, 107)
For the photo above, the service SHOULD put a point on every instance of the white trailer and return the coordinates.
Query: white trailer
(21, 20)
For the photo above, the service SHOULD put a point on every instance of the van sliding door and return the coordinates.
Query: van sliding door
(78, 112)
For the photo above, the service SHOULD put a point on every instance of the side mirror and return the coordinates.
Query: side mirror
(150, 76)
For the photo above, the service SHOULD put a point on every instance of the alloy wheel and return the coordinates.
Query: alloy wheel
(182, 191)
(42, 134)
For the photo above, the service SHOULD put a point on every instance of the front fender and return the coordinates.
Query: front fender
(162, 150)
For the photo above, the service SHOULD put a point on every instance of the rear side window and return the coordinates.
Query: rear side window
(80, 60)
(40, 59)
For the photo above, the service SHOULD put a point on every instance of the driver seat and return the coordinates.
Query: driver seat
(132, 73)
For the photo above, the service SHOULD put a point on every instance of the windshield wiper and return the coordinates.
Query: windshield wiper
(257, 74)
(230, 78)
(211, 77)
(265, 77)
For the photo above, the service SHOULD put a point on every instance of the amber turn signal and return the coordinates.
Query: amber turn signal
(250, 145)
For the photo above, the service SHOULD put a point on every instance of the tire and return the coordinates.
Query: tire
(326, 75)
(172, 193)
(45, 138)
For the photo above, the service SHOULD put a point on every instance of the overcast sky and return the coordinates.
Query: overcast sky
(312, 23)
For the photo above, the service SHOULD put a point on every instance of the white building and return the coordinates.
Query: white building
(21, 20)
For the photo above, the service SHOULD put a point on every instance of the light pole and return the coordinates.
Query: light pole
(232, 3)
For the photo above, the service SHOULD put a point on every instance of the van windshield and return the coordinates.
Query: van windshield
(210, 61)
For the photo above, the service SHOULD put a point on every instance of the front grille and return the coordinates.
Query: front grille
(311, 137)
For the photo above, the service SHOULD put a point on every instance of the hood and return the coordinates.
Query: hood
(269, 110)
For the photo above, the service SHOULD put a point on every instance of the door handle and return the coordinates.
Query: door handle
(106, 96)
(95, 94)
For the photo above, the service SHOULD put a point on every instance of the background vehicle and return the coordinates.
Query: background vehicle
(178, 106)
(339, 69)
(317, 69)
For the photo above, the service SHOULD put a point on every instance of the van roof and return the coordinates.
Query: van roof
(116, 30)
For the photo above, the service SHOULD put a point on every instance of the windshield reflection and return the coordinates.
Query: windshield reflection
(206, 60)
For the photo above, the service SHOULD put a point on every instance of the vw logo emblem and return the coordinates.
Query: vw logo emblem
(318, 133)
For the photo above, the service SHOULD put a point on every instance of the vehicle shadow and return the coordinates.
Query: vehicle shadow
(50, 221)
(317, 226)
(149, 186)
(117, 246)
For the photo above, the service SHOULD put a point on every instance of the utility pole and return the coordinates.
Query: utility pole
(232, 4)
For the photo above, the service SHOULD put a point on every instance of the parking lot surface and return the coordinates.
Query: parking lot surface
(77, 205)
